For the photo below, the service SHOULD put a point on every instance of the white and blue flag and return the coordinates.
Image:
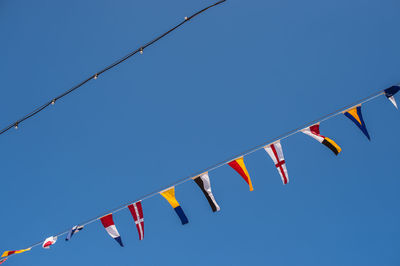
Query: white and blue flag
(73, 231)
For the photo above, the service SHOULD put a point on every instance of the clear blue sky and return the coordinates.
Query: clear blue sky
(233, 78)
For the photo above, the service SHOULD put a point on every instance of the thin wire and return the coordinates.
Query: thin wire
(96, 75)
(224, 162)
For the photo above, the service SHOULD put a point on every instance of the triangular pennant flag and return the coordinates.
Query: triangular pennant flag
(169, 195)
(240, 168)
(3, 260)
(203, 181)
(49, 241)
(73, 231)
(355, 115)
(276, 153)
(313, 131)
(108, 223)
(137, 214)
(390, 92)
(10, 252)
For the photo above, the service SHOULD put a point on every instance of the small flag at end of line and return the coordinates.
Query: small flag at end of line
(390, 92)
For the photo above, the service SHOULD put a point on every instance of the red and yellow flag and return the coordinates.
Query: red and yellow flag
(10, 252)
(238, 166)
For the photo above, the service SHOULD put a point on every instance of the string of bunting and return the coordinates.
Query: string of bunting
(273, 148)
(139, 50)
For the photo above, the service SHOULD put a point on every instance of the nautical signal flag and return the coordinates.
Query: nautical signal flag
(390, 92)
(355, 115)
(276, 153)
(203, 181)
(73, 231)
(108, 223)
(169, 195)
(10, 252)
(137, 214)
(313, 131)
(49, 241)
(239, 166)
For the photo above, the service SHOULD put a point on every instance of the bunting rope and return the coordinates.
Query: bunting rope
(96, 75)
(222, 163)
(168, 191)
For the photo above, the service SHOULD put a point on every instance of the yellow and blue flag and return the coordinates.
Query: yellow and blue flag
(355, 115)
(169, 195)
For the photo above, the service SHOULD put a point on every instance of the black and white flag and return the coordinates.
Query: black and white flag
(203, 181)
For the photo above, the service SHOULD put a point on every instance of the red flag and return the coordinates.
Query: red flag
(108, 223)
(240, 168)
(137, 214)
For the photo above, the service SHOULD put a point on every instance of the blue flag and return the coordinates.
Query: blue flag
(390, 92)
(73, 231)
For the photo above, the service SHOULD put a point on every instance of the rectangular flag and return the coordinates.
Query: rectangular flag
(73, 231)
(355, 115)
(137, 214)
(276, 153)
(313, 131)
(169, 195)
(239, 166)
(10, 252)
(390, 92)
(108, 223)
(203, 181)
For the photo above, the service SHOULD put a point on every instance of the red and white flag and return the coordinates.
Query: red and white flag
(49, 241)
(108, 223)
(137, 214)
(313, 131)
(275, 151)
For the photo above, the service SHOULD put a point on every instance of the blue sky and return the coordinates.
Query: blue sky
(232, 78)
